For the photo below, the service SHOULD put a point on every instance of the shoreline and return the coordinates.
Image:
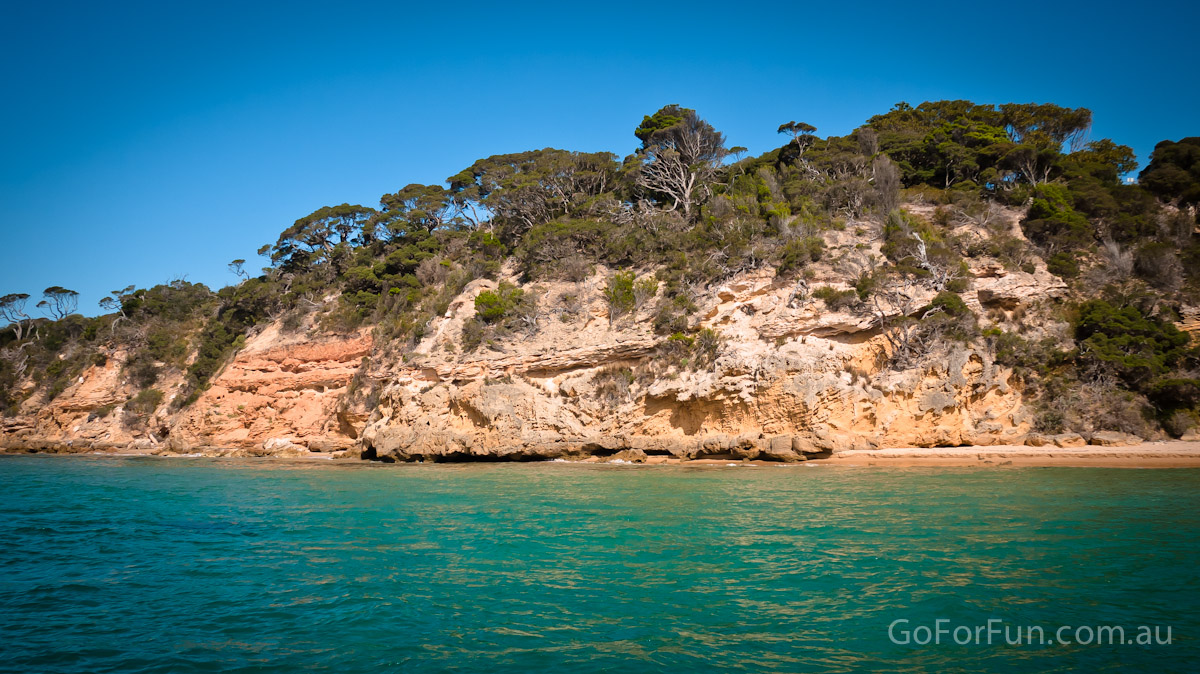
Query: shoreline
(1172, 454)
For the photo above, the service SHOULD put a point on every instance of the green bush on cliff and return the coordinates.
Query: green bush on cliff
(1127, 342)
(837, 300)
(799, 253)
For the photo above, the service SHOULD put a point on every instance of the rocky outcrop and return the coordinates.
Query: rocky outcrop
(793, 380)
(279, 389)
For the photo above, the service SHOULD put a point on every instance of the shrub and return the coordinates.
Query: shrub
(492, 306)
(1179, 422)
(1157, 263)
(612, 384)
(101, 412)
(836, 300)
(1051, 219)
(1063, 264)
(472, 335)
(489, 306)
(620, 295)
(951, 303)
(1126, 341)
(145, 402)
(644, 290)
(707, 347)
(799, 252)
(142, 370)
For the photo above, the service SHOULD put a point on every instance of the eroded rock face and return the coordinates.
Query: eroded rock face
(793, 380)
(87, 416)
(278, 388)
(1008, 290)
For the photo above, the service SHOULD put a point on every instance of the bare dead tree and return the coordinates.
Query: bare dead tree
(17, 357)
(887, 183)
(667, 173)
(940, 274)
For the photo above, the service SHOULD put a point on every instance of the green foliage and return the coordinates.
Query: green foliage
(944, 142)
(920, 249)
(1053, 221)
(948, 317)
(322, 236)
(416, 207)
(799, 252)
(492, 306)
(619, 294)
(837, 300)
(1025, 356)
(707, 347)
(1174, 171)
(667, 117)
(526, 189)
(951, 304)
(566, 249)
(497, 313)
(1063, 264)
(145, 402)
(1129, 343)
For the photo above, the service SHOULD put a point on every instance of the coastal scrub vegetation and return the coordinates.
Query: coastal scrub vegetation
(682, 211)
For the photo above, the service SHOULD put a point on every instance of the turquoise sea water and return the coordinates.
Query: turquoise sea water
(206, 565)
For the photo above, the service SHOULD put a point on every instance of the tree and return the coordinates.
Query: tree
(1174, 171)
(802, 133)
(1033, 160)
(941, 142)
(679, 157)
(887, 183)
(12, 309)
(1032, 122)
(237, 267)
(522, 190)
(313, 238)
(1052, 223)
(1115, 160)
(59, 302)
(428, 207)
(116, 301)
(1126, 341)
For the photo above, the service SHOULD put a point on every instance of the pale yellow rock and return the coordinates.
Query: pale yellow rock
(794, 380)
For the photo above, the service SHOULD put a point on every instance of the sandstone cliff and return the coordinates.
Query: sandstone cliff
(791, 378)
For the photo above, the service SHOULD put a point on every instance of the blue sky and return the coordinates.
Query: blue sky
(149, 141)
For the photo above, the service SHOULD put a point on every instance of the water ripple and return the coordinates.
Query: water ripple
(201, 565)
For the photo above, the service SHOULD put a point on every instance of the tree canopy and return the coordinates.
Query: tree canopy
(1174, 171)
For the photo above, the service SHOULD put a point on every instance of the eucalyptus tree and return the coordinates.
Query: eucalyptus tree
(1174, 171)
(425, 207)
(315, 238)
(12, 309)
(238, 268)
(803, 134)
(518, 191)
(679, 158)
(59, 302)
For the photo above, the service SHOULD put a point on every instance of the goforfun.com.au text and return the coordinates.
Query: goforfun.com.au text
(995, 632)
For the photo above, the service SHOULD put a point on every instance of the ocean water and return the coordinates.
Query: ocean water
(208, 565)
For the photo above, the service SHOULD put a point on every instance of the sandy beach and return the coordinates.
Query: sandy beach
(1149, 455)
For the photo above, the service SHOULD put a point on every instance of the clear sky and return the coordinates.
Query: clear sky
(145, 141)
